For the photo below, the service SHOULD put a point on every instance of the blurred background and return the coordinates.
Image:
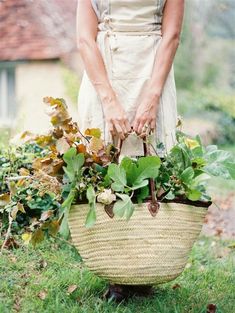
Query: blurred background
(38, 58)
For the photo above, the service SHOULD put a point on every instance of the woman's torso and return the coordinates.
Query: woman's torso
(129, 15)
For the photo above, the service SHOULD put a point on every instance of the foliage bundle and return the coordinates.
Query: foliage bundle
(43, 176)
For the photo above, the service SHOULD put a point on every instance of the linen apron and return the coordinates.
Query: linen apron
(129, 34)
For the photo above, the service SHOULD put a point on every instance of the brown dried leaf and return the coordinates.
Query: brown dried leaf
(11, 244)
(46, 214)
(175, 286)
(42, 294)
(20, 207)
(14, 212)
(81, 148)
(24, 171)
(211, 308)
(95, 144)
(71, 289)
(43, 264)
(62, 145)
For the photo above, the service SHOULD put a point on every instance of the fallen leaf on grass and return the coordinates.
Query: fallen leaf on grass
(17, 303)
(211, 308)
(71, 289)
(176, 286)
(11, 244)
(42, 264)
(26, 237)
(42, 295)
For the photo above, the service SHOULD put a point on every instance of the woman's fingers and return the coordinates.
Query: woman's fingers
(121, 127)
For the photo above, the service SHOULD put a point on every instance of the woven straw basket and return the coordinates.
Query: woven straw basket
(142, 251)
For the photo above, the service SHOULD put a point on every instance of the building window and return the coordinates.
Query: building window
(7, 96)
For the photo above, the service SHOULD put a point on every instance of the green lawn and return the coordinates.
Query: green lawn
(37, 280)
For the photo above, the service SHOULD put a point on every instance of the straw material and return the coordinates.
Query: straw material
(143, 250)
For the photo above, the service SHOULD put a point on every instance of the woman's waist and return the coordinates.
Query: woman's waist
(130, 29)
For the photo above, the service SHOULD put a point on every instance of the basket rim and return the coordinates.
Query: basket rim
(198, 203)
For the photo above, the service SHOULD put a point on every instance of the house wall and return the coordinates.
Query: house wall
(35, 80)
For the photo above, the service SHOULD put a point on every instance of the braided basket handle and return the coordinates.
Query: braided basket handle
(153, 204)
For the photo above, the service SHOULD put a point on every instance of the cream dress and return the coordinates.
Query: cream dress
(129, 34)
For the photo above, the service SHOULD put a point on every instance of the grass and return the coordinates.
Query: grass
(37, 280)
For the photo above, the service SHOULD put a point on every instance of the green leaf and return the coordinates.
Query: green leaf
(123, 207)
(147, 167)
(140, 185)
(118, 175)
(74, 162)
(130, 168)
(230, 166)
(217, 169)
(64, 228)
(187, 175)
(144, 192)
(193, 194)
(170, 195)
(91, 218)
(90, 194)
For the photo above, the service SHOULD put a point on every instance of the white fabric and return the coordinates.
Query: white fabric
(128, 38)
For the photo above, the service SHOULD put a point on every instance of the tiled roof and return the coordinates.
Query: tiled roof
(37, 29)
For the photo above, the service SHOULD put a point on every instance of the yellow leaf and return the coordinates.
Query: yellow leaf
(37, 236)
(4, 199)
(24, 171)
(191, 143)
(94, 132)
(20, 207)
(26, 237)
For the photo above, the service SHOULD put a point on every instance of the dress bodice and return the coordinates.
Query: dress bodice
(129, 15)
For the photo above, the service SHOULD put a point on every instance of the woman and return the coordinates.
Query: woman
(128, 85)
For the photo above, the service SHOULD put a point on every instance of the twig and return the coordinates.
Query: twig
(8, 232)
(16, 178)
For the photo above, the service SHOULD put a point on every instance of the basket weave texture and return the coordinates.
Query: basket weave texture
(144, 250)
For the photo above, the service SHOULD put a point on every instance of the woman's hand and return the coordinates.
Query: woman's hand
(116, 117)
(146, 114)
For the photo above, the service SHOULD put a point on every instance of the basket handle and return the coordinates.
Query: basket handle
(153, 204)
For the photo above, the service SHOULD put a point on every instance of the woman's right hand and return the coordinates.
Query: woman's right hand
(116, 117)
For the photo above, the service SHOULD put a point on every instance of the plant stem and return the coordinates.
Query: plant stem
(8, 232)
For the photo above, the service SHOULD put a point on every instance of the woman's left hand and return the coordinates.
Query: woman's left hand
(146, 115)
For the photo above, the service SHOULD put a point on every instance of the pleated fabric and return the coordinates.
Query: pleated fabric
(129, 35)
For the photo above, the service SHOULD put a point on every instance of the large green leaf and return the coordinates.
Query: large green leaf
(74, 162)
(230, 166)
(193, 194)
(118, 175)
(124, 207)
(217, 169)
(129, 166)
(147, 167)
(187, 175)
